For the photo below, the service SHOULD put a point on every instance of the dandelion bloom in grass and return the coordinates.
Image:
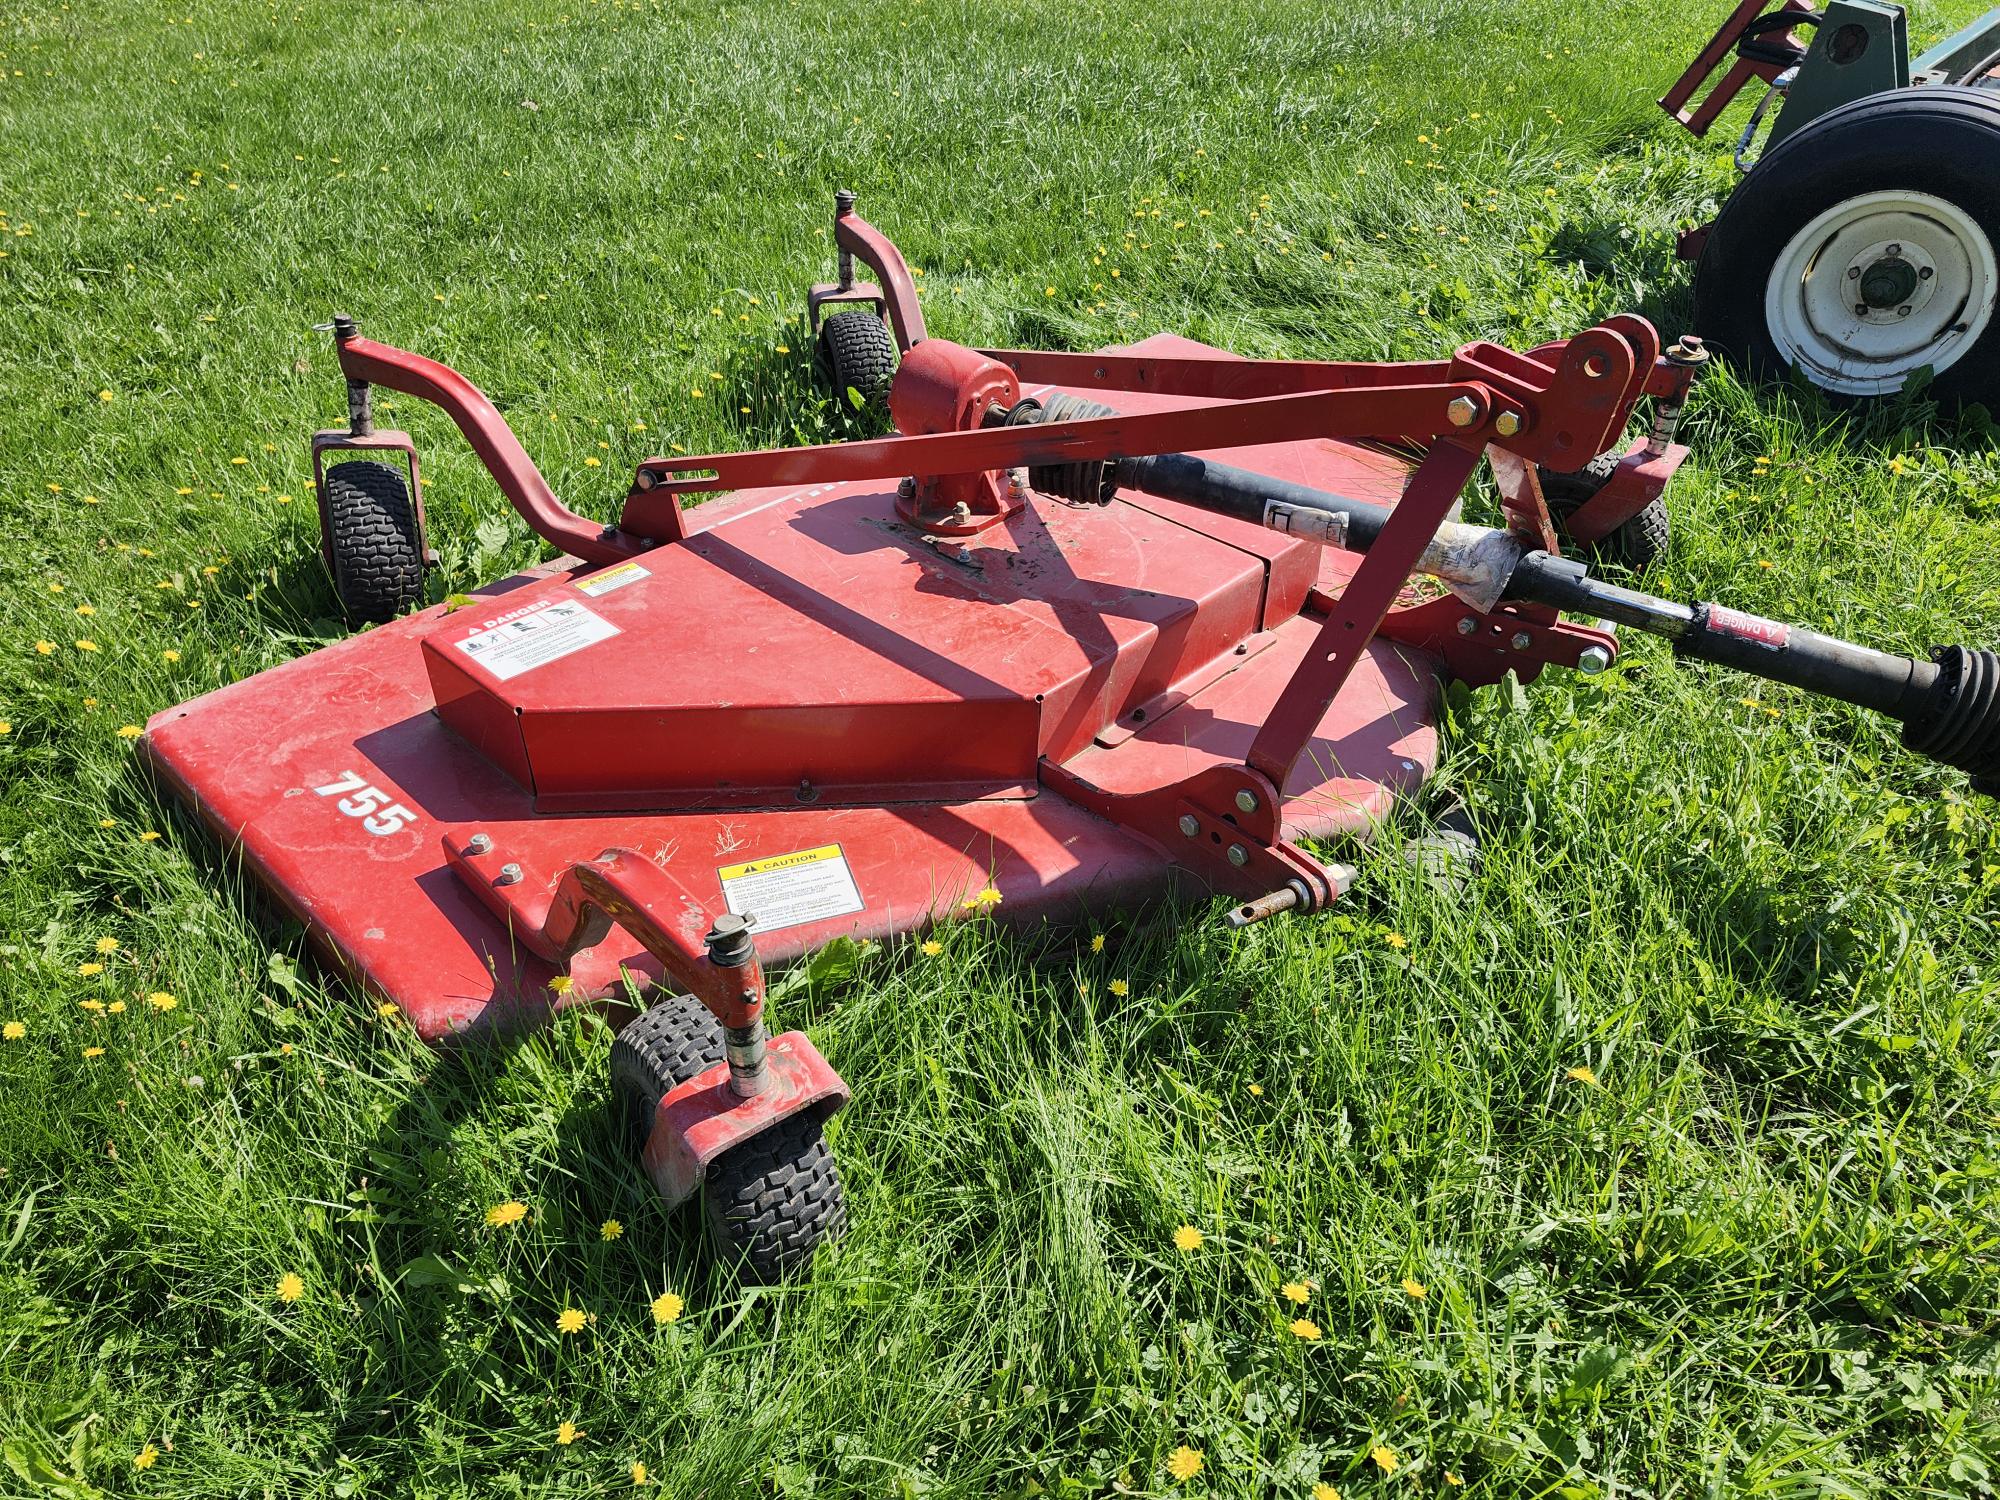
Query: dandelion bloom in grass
(115, 1008)
(570, 1320)
(1256, 1091)
(146, 1457)
(502, 1214)
(1396, 940)
(568, 1433)
(1187, 1238)
(13, 1031)
(148, 836)
(1296, 1292)
(170, 656)
(45, 648)
(982, 900)
(1414, 1287)
(667, 1308)
(562, 984)
(1385, 1458)
(638, 1474)
(1325, 1491)
(291, 1287)
(107, 945)
(930, 947)
(1454, 1480)
(161, 1000)
(611, 1229)
(386, 1008)
(1184, 1462)
(86, 645)
(1097, 943)
(1584, 1075)
(1119, 988)
(91, 1004)
(1306, 1329)
(93, 1052)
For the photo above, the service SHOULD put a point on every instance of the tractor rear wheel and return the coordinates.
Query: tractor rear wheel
(673, 1040)
(372, 542)
(859, 355)
(1637, 544)
(1862, 250)
(775, 1199)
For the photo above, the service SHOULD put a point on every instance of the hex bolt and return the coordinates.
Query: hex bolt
(1468, 626)
(479, 843)
(1893, 250)
(1594, 660)
(1854, 273)
(1522, 640)
(1507, 423)
(1924, 273)
(1189, 827)
(1246, 800)
(906, 489)
(1463, 411)
(1902, 312)
(509, 875)
(1861, 309)
(1238, 855)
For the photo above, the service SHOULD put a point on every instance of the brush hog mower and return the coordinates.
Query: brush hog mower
(1043, 650)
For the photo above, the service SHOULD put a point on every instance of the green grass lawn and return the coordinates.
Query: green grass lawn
(1666, 1162)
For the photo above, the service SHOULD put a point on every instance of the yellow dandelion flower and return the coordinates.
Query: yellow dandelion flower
(86, 645)
(1306, 1329)
(148, 837)
(1396, 940)
(161, 1000)
(129, 731)
(1296, 1291)
(1184, 1463)
(106, 396)
(291, 1287)
(1256, 1091)
(610, 1229)
(115, 1008)
(1119, 988)
(503, 1214)
(107, 822)
(1584, 1075)
(568, 1433)
(45, 648)
(1325, 1491)
(982, 900)
(562, 984)
(238, 461)
(569, 1320)
(1414, 1287)
(1187, 1238)
(13, 1031)
(1454, 1480)
(1097, 942)
(1385, 1458)
(930, 947)
(91, 1005)
(93, 1052)
(385, 1008)
(170, 656)
(86, 970)
(667, 1308)
(146, 1457)
(638, 1474)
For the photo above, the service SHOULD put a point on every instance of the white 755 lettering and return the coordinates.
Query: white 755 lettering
(358, 799)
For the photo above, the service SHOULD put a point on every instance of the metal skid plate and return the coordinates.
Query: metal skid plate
(808, 711)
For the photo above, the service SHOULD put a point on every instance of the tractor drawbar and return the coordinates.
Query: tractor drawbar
(1949, 706)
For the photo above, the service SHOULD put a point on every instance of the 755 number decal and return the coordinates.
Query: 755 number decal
(358, 799)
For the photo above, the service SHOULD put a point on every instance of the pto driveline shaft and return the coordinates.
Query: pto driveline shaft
(1949, 706)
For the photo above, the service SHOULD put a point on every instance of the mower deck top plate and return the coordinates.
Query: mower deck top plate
(808, 711)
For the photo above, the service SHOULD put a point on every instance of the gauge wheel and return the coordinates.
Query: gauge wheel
(373, 546)
(859, 355)
(1637, 543)
(1862, 250)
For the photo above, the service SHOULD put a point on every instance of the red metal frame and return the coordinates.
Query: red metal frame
(1711, 57)
(855, 236)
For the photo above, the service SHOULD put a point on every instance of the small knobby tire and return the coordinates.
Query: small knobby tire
(373, 545)
(774, 1200)
(673, 1040)
(1637, 543)
(1912, 164)
(859, 354)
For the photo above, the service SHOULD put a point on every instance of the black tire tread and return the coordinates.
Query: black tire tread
(775, 1199)
(860, 353)
(1637, 544)
(377, 555)
(668, 1043)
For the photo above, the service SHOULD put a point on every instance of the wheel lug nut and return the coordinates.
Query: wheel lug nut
(1923, 273)
(1894, 250)
(1854, 273)
(1902, 312)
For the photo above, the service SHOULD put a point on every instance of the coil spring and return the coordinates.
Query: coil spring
(1090, 481)
(1962, 725)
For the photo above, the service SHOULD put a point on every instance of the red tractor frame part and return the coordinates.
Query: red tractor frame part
(1762, 64)
(854, 237)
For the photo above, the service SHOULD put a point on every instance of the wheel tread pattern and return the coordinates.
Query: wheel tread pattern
(378, 560)
(673, 1040)
(860, 353)
(1637, 543)
(775, 1199)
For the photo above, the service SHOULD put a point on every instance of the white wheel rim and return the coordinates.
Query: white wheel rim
(1879, 286)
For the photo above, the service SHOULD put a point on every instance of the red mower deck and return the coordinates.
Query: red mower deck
(594, 708)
